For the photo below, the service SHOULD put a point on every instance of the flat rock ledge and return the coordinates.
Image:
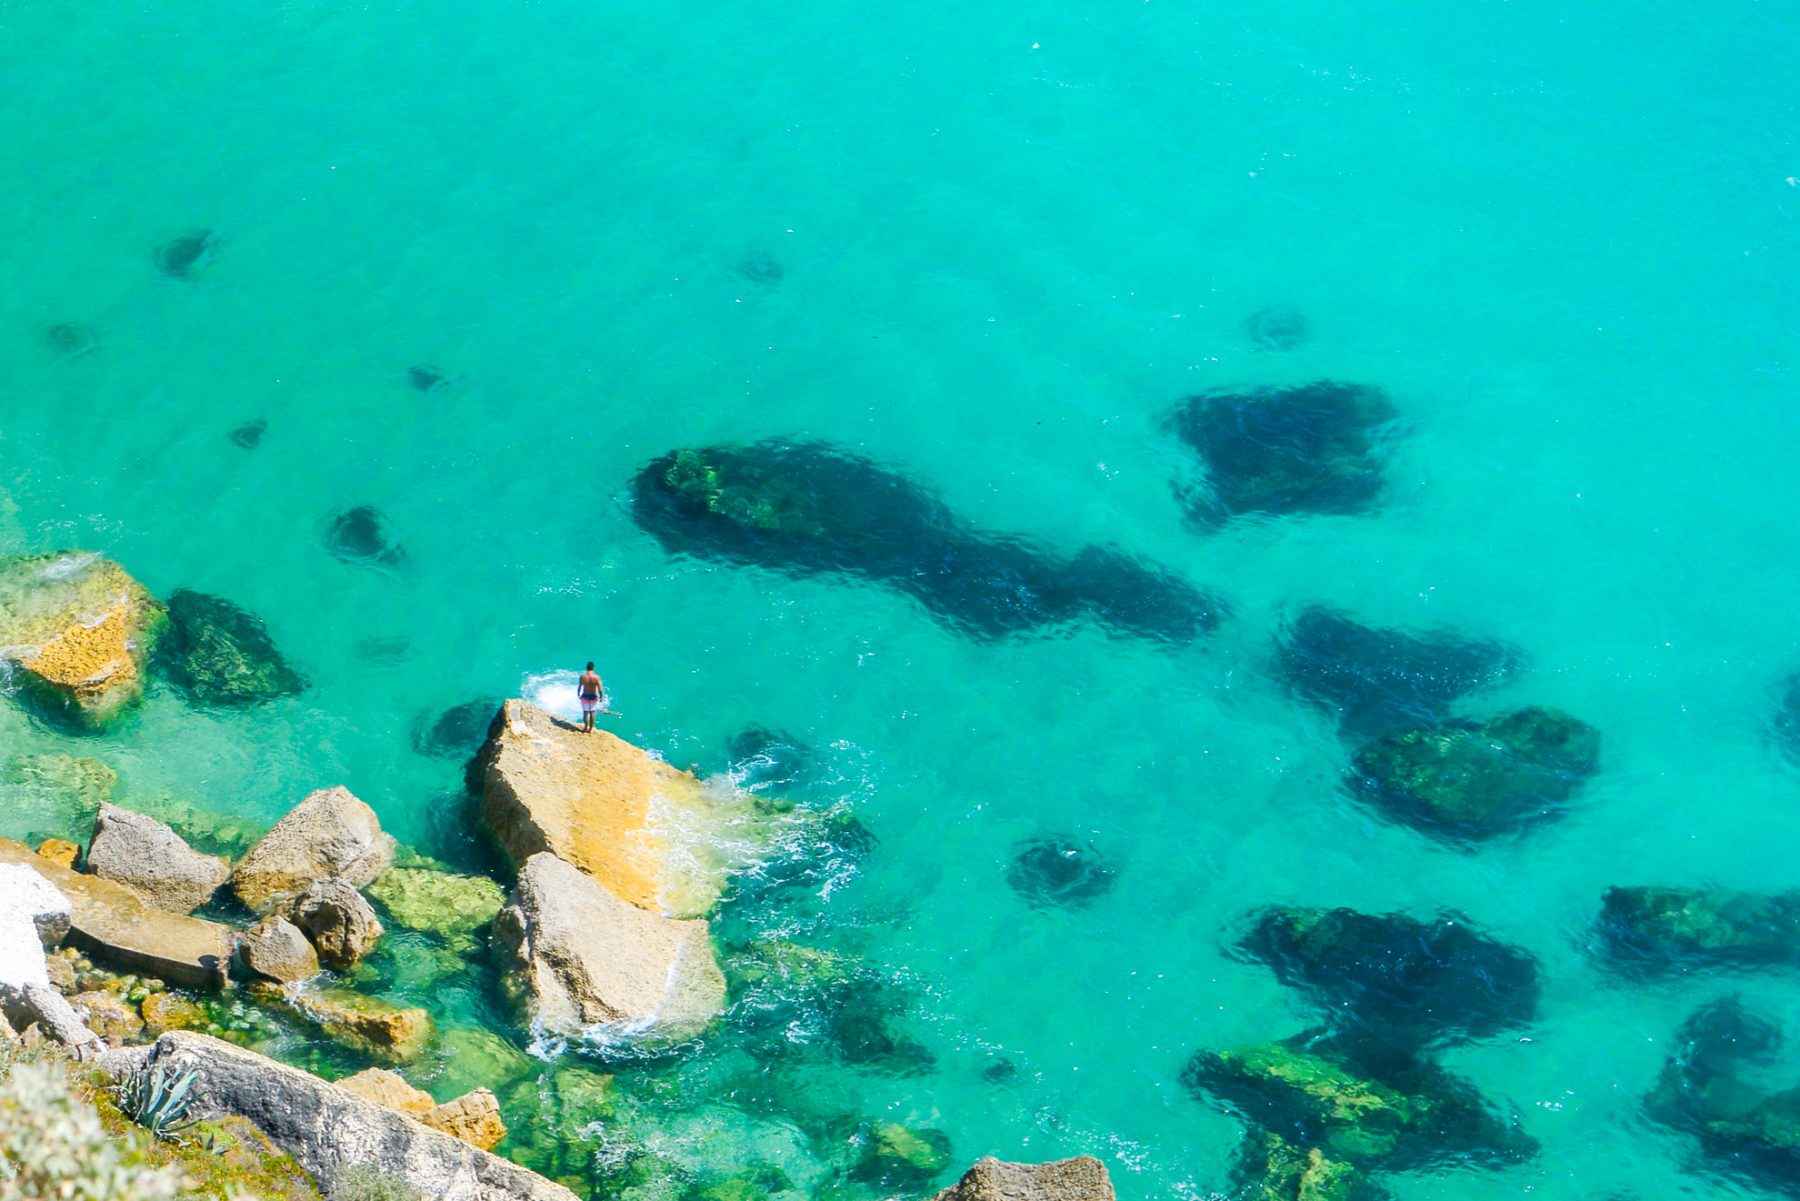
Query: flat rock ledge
(329, 1130)
(649, 832)
(595, 965)
(115, 922)
(1083, 1178)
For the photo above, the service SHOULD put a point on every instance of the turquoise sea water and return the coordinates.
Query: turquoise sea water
(1562, 239)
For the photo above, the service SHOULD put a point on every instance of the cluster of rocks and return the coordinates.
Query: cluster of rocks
(83, 635)
(1364, 1093)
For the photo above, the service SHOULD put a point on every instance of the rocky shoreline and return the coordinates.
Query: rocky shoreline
(127, 946)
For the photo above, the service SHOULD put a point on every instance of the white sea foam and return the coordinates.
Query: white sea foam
(555, 692)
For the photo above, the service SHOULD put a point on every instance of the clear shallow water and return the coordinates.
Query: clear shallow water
(1563, 242)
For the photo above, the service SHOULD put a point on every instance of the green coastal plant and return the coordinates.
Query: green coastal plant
(149, 1097)
(53, 1144)
(367, 1184)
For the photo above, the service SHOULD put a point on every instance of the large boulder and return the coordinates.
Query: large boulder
(589, 959)
(647, 831)
(330, 833)
(114, 921)
(331, 1132)
(152, 858)
(1467, 781)
(340, 922)
(1083, 1178)
(275, 949)
(220, 655)
(79, 628)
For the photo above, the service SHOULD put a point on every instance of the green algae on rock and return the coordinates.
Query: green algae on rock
(380, 1029)
(1273, 1169)
(1385, 1111)
(1468, 781)
(1652, 929)
(220, 655)
(444, 903)
(79, 629)
(896, 1156)
(53, 796)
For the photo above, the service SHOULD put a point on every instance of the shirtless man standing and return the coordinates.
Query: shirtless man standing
(589, 689)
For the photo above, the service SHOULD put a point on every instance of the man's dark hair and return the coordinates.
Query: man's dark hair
(590, 665)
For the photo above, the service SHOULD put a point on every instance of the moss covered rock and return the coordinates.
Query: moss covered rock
(379, 1029)
(1370, 1110)
(53, 796)
(1657, 929)
(219, 655)
(1272, 1169)
(444, 903)
(898, 1156)
(1475, 780)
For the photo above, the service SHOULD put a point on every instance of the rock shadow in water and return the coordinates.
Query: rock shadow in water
(761, 270)
(249, 435)
(1316, 448)
(1378, 681)
(1276, 328)
(457, 732)
(1398, 978)
(1650, 931)
(1709, 1090)
(360, 535)
(221, 656)
(428, 379)
(1787, 720)
(1057, 872)
(179, 256)
(70, 340)
(1468, 781)
(812, 509)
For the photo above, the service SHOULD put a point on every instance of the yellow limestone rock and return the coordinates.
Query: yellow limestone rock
(79, 627)
(473, 1117)
(650, 833)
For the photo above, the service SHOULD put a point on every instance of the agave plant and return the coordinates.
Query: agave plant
(149, 1097)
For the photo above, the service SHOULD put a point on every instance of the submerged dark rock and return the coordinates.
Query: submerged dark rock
(456, 732)
(1375, 680)
(859, 1021)
(1057, 871)
(1468, 780)
(1787, 720)
(812, 509)
(69, 340)
(1316, 448)
(1270, 1168)
(1652, 929)
(250, 434)
(1374, 1112)
(1276, 328)
(1397, 977)
(761, 269)
(360, 535)
(427, 379)
(1710, 1089)
(179, 256)
(218, 654)
(766, 760)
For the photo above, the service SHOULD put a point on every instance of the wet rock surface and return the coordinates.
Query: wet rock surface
(1272, 452)
(1375, 681)
(810, 509)
(1398, 978)
(1058, 872)
(140, 851)
(1468, 780)
(79, 629)
(218, 654)
(1654, 930)
(360, 535)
